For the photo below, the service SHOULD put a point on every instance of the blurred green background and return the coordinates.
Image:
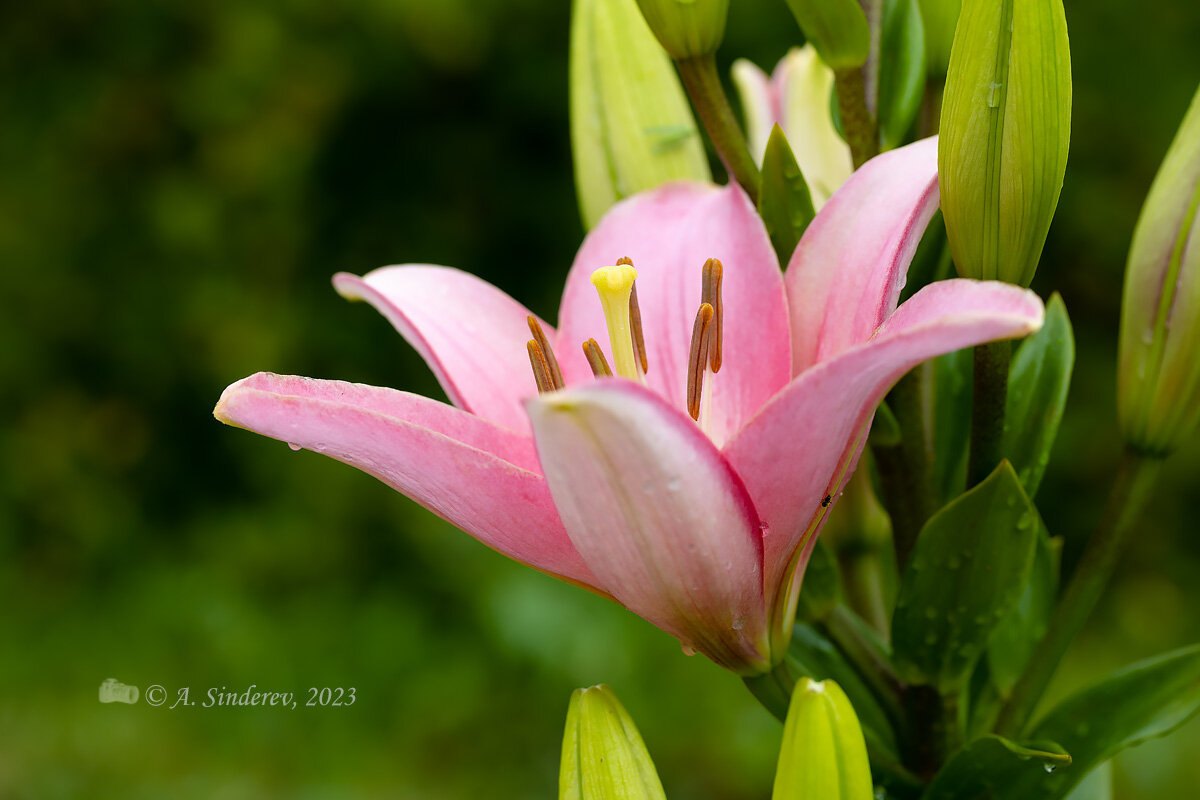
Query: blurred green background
(178, 183)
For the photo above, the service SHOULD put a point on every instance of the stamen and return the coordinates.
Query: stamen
(635, 320)
(615, 285)
(556, 376)
(699, 354)
(541, 370)
(596, 360)
(711, 294)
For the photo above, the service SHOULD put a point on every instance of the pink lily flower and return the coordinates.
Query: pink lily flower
(691, 492)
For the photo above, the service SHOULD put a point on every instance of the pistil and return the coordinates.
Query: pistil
(615, 287)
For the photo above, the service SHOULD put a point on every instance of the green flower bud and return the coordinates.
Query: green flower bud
(603, 756)
(687, 28)
(823, 754)
(1006, 127)
(940, 17)
(837, 28)
(1158, 385)
(631, 126)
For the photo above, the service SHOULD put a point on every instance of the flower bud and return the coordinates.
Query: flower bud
(939, 17)
(796, 97)
(603, 756)
(837, 28)
(631, 126)
(1005, 130)
(687, 28)
(1158, 385)
(823, 754)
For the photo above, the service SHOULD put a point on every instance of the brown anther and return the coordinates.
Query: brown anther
(635, 330)
(541, 370)
(624, 261)
(711, 294)
(596, 360)
(699, 354)
(556, 376)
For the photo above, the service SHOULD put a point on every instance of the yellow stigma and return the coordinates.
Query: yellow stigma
(614, 285)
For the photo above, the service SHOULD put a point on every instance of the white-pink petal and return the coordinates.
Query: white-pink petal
(669, 233)
(472, 473)
(846, 274)
(658, 516)
(472, 335)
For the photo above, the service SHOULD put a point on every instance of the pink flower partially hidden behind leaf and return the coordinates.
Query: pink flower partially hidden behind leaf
(691, 492)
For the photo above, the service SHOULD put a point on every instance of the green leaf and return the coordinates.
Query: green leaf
(837, 28)
(784, 202)
(1015, 638)
(1144, 701)
(901, 70)
(885, 430)
(1096, 786)
(1037, 394)
(991, 767)
(822, 587)
(811, 655)
(967, 572)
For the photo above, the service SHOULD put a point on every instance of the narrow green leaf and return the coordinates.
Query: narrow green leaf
(994, 768)
(967, 572)
(901, 70)
(1096, 786)
(1013, 642)
(1144, 701)
(784, 202)
(1037, 394)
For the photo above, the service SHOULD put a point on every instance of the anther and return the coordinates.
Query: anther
(596, 360)
(711, 294)
(699, 354)
(635, 320)
(556, 376)
(541, 370)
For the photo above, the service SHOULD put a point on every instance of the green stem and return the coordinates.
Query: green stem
(1130, 492)
(987, 414)
(703, 84)
(857, 122)
(906, 470)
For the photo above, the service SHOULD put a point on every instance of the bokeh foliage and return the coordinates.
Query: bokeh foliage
(179, 182)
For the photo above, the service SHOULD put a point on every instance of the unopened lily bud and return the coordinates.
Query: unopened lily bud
(603, 756)
(1158, 388)
(823, 754)
(939, 18)
(1005, 131)
(687, 28)
(837, 28)
(631, 126)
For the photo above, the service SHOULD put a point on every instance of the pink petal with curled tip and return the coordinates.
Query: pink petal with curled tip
(792, 453)
(846, 274)
(476, 475)
(669, 233)
(470, 333)
(658, 516)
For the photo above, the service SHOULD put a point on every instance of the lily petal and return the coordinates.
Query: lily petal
(658, 515)
(669, 233)
(794, 452)
(470, 333)
(477, 476)
(846, 274)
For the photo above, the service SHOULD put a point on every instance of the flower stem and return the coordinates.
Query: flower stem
(1130, 492)
(906, 470)
(857, 122)
(987, 414)
(703, 84)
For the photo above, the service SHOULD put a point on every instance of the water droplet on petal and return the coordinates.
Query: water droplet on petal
(687, 649)
(295, 446)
